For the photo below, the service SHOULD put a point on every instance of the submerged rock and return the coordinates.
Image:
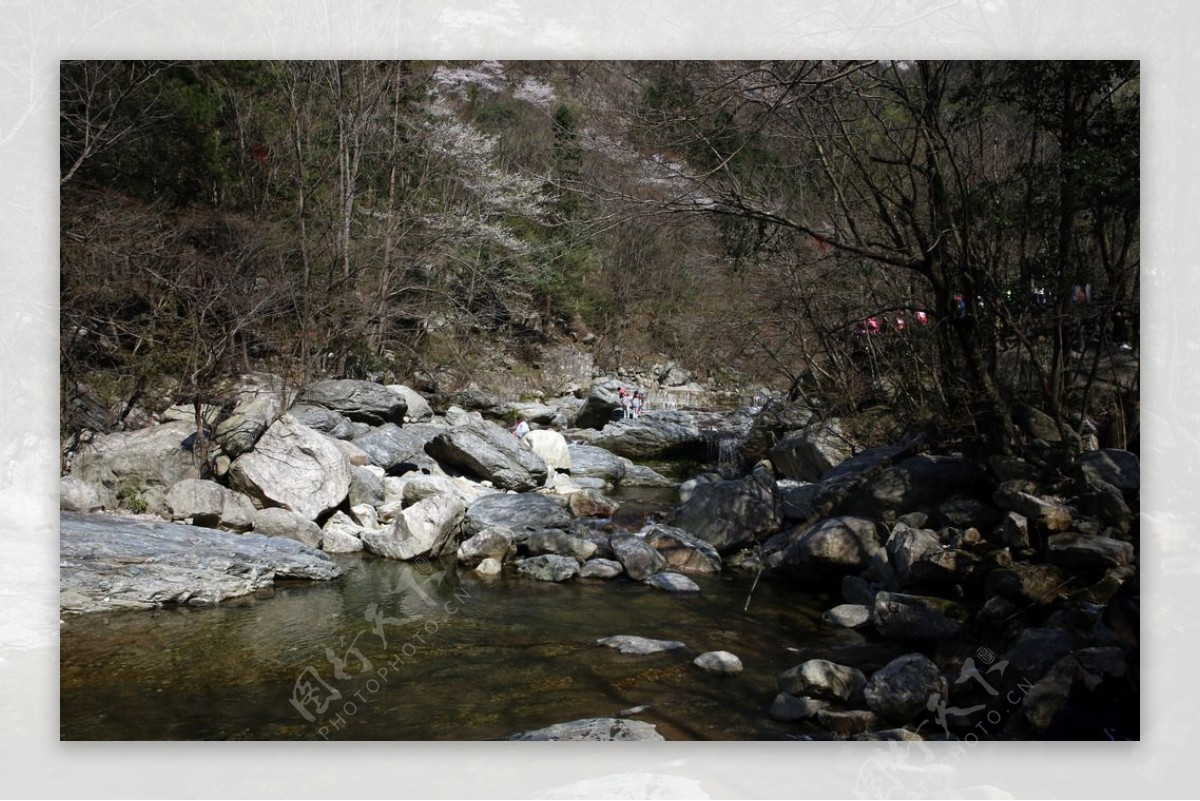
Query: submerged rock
(632, 644)
(672, 582)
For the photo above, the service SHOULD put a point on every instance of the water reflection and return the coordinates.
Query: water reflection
(463, 657)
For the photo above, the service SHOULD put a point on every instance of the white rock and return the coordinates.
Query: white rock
(721, 662)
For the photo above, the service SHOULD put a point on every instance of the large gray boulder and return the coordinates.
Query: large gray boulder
(516, 512)
(601, 569)
(1026, 585)
(774, 421)
(1046, 513)
(840, 544)
(413, 487)
(811, 452)
(137, 467)
(639, 559)
(108, 563)
(921, 481)
(237, 433)
(427, 528)
(683, 551)
(1051, 692)
(419, 410)
(276, 522)
(491, 543)
(906, 546)
(1036, 423)
(551, 447)
(589, 461)
(1116, 467)
(594, 729)
(390, 445)
(489, 452)
(732, 513)
(548, 567)
(342, 534)
(76, 495)
(366, 486)
(601, 406)
(591, 503)
(294, 467)
(552, 540)
(209, 504)
(1073, 550)
(916, 617)
(900, 690)
(654, 435)
(537, 414)
(360, 401)
(1037, 649)
(324, 420)
(823, 680)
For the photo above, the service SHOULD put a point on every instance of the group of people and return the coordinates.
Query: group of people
(875, 324)
(632, 404)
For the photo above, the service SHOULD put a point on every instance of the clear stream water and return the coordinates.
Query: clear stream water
(427, 651)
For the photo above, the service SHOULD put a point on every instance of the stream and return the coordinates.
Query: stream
(430, 651)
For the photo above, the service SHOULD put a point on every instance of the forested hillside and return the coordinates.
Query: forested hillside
(946, 240)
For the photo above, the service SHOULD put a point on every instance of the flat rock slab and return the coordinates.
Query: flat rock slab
(108, 562)
(594, 729)
(632, 644)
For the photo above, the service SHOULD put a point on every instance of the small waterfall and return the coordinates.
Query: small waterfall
(724, 452)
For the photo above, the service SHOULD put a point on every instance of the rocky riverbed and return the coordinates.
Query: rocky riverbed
(959, 581)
